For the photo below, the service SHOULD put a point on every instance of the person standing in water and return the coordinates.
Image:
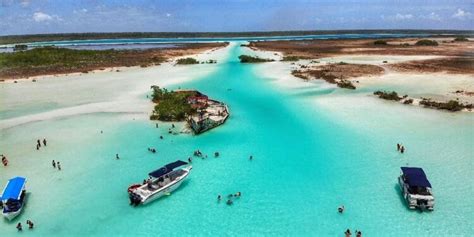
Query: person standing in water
(59, 166)
(398, 146)
(117, 156)
(44, 141)
(54, 164)
(402, 149)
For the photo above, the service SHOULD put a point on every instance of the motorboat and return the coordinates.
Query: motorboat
(416, 189)
(161, 182)
(13, 197)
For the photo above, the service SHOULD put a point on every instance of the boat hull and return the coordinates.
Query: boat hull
(165, 191)
(11, 215)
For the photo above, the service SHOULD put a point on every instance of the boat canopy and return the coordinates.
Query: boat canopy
(13, 189)
(166, 169)
(415, 177)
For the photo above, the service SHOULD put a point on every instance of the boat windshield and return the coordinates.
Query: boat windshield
(419, 190)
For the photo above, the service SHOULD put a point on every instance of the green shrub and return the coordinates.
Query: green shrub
(380, 42)
(252, 59)
(461, 38)
(171, 106)
(388, 95)
(426, 42)
(186, 61)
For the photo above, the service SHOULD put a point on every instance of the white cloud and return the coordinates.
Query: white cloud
(461, 14)
(81, 11)
(43, 17)
(432, 16)
(168, 14)
(402, 17)
(25, 3)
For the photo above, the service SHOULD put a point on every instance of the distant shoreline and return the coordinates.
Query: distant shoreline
(14, 39)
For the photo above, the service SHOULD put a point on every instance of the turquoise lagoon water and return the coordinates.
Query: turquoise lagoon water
(313, 150)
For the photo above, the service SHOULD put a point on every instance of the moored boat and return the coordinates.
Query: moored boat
(160, 182)
(13, 197)
(416, 189)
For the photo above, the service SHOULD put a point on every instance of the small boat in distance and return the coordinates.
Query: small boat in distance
(416, 189)
(160, 182)
(13, 197)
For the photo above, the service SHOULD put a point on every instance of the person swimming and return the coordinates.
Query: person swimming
(348, 233)
(229, 202)
(341, 209)
(30, 224)
(219, 197)
(19, 227)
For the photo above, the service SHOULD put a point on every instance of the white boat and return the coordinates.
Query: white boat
(13, 197)
(416, 189)
(161, 182)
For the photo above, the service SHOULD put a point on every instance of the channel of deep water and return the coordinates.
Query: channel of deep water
(307, 160)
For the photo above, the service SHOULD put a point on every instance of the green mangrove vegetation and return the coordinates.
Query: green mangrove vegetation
(252, 59)
(461, 39)
(426, 42)
(292, 58)
(186, 61)
(51, 60)
(388, 95)
(380, 42)
(452, 105)
(171, 105)
(345, 84)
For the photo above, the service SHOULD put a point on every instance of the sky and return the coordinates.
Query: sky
(66, 16)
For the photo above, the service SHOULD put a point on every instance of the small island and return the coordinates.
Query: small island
(200, 112)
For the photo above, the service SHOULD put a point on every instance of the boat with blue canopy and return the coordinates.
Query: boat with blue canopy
(416, 188)
(13, 197)
(161, 182)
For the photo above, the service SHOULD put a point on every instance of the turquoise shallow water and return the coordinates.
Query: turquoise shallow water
(308, 160)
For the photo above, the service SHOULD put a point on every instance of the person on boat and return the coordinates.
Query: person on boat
(341, 209)
(117, 156)
(54, 164)
(44, 141)
(19, 227)
(348, 233)
(59, 165)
